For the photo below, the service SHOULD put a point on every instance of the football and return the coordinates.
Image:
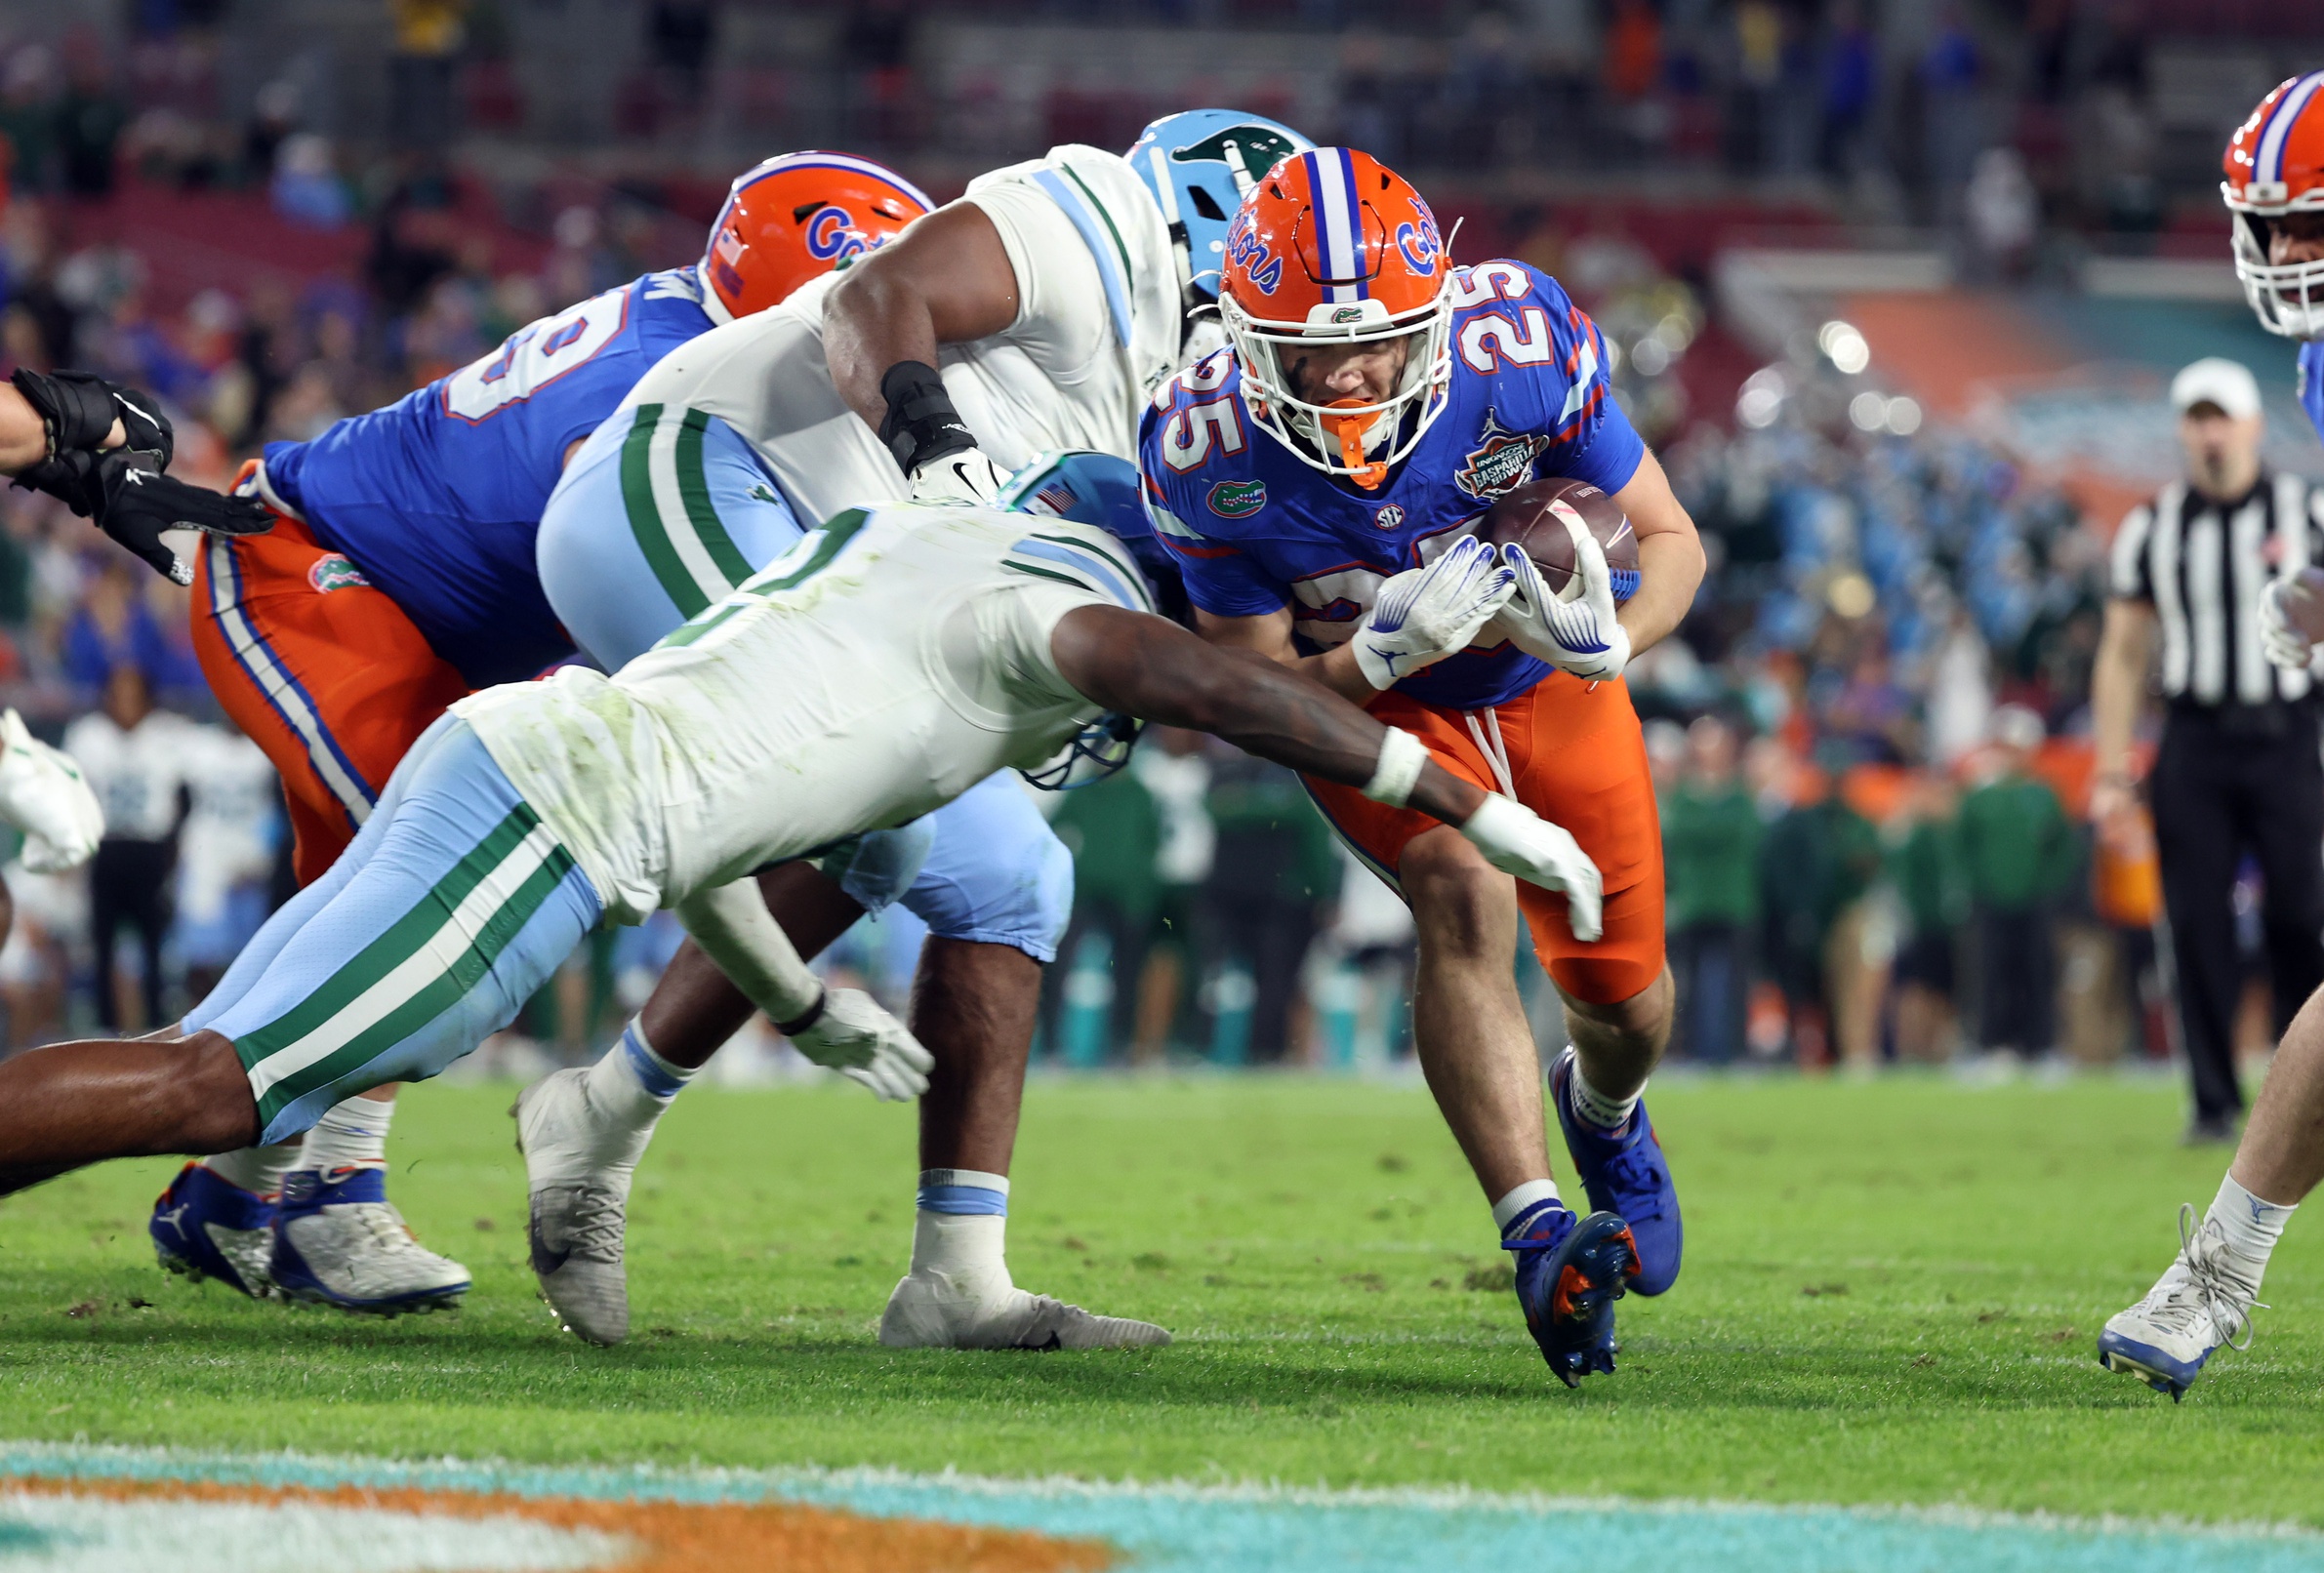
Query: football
(1536, 517)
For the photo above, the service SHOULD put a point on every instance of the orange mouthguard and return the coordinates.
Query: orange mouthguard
(1349, 430)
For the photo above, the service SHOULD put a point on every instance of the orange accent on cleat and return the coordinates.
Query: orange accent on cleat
(1570, 1283)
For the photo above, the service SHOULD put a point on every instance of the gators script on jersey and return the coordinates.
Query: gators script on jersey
(1258, 530)
(436, 497)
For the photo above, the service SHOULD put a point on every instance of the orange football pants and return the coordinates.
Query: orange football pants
(321, 669)
(1574, 755)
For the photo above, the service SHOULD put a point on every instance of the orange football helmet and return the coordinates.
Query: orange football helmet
(2276, 168)
(1331, 246)
(798, 217)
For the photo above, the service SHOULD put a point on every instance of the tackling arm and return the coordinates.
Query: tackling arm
(1145, 667)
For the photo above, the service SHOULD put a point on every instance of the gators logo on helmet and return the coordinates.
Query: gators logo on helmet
(796, 218)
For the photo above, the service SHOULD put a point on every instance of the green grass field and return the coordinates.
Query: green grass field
(1891, 1296)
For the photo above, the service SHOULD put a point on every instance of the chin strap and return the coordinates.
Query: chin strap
(1348, 430)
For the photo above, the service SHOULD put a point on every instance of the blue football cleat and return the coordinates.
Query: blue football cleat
(339, 1241)
(1568, 1276)
(1627, 1176)
(204, 1227)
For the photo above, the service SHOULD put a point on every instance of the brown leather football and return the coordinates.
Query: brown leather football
(1534, 517)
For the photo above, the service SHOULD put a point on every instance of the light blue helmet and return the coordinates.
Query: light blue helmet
(1198, 164)
(1095, 487)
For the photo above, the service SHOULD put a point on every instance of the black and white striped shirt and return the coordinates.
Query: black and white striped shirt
(2202, 565)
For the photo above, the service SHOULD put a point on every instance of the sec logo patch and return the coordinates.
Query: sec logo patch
(1237, 499)
(1391, 517)
(332, 572)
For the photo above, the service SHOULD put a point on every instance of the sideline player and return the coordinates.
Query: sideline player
(2274, 191)
(1374, 403)
(1036, 313)
(890, 663)
(398, 576)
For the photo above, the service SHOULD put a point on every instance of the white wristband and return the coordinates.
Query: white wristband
(1393, 778)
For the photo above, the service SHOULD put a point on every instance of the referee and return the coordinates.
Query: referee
(2238, 770)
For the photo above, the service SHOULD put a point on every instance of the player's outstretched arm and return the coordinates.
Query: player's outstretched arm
(1145, 667)
(842, 1029)
(101, 448)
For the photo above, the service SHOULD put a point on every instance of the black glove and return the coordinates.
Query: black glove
(77, 410)
(124, 490)
(920, 425)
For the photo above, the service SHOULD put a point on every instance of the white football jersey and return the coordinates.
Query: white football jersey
(1098, 326)
(890, 662)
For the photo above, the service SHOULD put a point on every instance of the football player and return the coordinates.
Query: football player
(975, 639)
(2274, 191)
(1318, 480)
(398, 576)
(1037, 312)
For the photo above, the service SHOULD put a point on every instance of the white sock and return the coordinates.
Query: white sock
(1522, 1208)
(1594, 1108)
(628, 1089)
(352, 1134)
(960, 1231)
(2249, 1226)
(257, 1169)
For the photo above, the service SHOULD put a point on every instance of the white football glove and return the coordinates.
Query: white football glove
(1425, 614)
(42, 795)
(1518, 842)
(857, 1037)
(966, 477)
(2284, 645)
(1583, 635)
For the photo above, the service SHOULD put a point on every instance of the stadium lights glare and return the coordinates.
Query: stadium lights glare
(1904, 416)
(1760, 399)
(1868, 411)
(1652, 357)
(1844, 347)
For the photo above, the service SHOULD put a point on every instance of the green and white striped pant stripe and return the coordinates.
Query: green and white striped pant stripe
(671, 513)
(425, 962)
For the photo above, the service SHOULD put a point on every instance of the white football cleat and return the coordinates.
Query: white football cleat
(930, 1310)
(579, 1199)
(2200, 1304)
(339, 1241)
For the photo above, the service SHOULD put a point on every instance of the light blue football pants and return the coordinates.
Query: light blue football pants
(451, 909)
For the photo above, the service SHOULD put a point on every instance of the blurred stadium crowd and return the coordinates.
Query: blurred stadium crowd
(1868, 737)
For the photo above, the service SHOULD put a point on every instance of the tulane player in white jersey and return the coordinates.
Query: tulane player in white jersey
(890, 663)
(1036, 313)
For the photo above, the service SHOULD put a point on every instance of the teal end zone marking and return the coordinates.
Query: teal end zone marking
(22, 1540)
(1190, 1529)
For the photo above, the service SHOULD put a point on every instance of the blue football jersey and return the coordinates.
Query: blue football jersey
(437, 497)
(1258, 529)
(2312, 383)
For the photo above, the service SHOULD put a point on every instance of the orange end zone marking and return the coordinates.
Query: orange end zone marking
(678, 1537)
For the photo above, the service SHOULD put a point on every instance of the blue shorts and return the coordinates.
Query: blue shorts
(451, 909)
(666, 510)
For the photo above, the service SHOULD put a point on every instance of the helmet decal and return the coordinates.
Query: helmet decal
(1418, 241)
(796, 217)
(1254, 146)
(1253, 256)
(1199, 164)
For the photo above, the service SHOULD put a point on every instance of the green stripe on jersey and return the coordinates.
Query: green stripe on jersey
(1129, 274)
(1061, 578)
(1119, 561)
(694, 488)
(403, 940)
(645, 515)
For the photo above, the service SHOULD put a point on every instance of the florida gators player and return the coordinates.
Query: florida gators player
(1037, 312)
(399, 576)
(1317, 479)
(2274, 191)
